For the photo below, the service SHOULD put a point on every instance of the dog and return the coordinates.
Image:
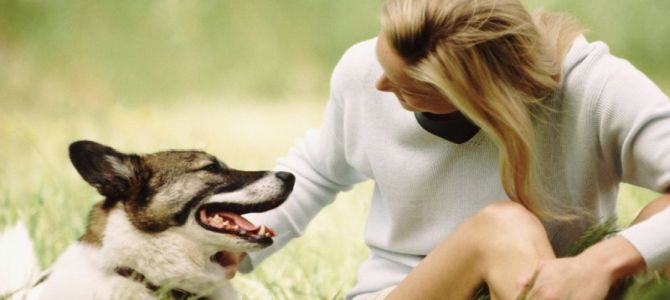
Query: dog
(165, 227)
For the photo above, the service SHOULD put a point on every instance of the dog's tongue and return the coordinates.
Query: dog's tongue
(239, 220)
(232, 222)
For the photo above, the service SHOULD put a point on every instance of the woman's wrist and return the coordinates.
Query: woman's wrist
(617, 257)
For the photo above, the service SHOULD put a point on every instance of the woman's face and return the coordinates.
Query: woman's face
(412, 94)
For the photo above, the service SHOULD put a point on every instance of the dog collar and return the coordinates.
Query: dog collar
(176, 294)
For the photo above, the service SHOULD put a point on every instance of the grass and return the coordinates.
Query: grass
(647, 286)
(240, 79)
(129, 51)
(38, 184)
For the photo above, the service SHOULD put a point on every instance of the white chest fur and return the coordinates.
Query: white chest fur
(170, 258)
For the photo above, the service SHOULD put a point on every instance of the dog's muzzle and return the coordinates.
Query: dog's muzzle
(231, 223)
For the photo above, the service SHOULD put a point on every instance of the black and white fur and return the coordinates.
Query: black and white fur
(152, 221)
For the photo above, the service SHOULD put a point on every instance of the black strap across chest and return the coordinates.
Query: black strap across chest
(176, 294)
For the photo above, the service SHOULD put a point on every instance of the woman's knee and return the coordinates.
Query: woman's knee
(506, 214)
(514, 241)
(507, 224)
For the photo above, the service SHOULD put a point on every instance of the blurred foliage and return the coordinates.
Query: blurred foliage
(145, 50)
(140, 75)
(65, 52)
(637, 30)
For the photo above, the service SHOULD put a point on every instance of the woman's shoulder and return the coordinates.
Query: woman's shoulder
(362, 52)
(357, 65)
(600, 88)
(587, 66)
(591, 72)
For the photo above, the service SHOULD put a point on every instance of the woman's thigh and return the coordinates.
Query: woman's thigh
(498, 245)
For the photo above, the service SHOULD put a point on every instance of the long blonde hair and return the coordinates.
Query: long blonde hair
(495, 62)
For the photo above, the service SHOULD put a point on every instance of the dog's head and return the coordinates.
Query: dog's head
(188, 192)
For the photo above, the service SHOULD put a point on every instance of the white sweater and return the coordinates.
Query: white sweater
(608, 124)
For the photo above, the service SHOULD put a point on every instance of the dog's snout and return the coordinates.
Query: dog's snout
(286, 177)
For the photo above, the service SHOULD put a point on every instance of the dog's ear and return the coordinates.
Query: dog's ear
(108, 170)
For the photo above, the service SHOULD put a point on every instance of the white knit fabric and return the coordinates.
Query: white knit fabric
(607, 124)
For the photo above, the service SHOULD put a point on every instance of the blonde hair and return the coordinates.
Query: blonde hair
(496, 63)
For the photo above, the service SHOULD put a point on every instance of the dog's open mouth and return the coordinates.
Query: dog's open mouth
(232, 223)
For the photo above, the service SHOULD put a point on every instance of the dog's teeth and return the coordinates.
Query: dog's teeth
(226, 223)
(262, 230)
(235, 227)
(267, 234)
(216, 221)
(243, 232)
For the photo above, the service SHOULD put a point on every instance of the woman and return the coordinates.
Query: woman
(502, 105)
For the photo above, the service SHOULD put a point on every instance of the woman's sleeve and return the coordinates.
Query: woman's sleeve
(634, 133)
(319, 162)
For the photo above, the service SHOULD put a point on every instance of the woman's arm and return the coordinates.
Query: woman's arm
(591, 274)
(319, 162)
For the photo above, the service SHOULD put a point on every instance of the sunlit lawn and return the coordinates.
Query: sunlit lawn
(73, 70)
(38, 184)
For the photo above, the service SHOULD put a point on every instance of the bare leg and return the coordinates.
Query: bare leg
(498, 245)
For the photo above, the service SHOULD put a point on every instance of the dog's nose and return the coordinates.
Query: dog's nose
(286, 177)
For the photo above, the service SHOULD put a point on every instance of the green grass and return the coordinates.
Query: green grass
(39, 185)
(240, 79)
(129, 51)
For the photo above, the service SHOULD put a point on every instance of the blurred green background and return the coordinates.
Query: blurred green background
(138, 51)
(133, 51)
(240, 79)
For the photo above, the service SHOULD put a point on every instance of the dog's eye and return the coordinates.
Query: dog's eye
(212, 168)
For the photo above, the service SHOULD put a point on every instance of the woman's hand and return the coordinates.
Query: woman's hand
(566, 278)
(587, 276)
(230, 261)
